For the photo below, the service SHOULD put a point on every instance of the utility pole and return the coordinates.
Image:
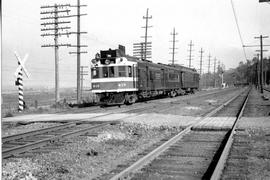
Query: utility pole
(209, 58)
(54, 30)
(82, 73)
(138, 50)
(190, 56)
(173, 48)
(218, 71)
(261, 53)
(78, 46)
(146, 33)
(258, 72)
(201, 53)
(208, 74)
(215, 71)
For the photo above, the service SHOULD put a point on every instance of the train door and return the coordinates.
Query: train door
(162, 78)
(142, 78)
(152, 79)
(134, 75)
(147, 77)
(182, 79)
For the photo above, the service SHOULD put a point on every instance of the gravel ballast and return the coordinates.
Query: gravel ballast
(87, 157)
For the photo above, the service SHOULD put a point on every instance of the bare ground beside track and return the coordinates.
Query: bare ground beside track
(75, 159)
(249, 157)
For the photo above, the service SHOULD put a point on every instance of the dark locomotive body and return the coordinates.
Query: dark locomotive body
(118, 78)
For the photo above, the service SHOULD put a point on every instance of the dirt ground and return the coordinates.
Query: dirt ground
(87, 157)
(249, 157)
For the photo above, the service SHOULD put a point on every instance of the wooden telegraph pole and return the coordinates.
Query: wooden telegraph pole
(139, 50)
(201, 53)
(190, 55)
(78, 46)
(173, 48)
(208, 74)
(82, 74)
(215, 71)
(54, 30)
(143, 49)
(146, 33)
(261, 54)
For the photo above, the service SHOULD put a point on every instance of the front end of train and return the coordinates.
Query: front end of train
(114, 77)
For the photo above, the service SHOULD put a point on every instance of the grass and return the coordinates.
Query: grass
(8, 114)
(40, 102)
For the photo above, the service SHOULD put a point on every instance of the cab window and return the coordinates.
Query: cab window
(121, 71)
(95, 73)
(129, 71)
(111, 71)
(105, 71)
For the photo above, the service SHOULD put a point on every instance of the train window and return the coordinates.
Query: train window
(121, 71)
(111, 71)
(157, 75)
(95, 73)
(172, 76)
(129, 71)
(105, 71)
(151, 75)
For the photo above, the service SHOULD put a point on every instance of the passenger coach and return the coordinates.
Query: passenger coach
(118, 78)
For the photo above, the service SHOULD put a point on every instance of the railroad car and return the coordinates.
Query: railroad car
(118, 78)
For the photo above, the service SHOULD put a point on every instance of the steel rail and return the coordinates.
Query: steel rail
(225, 153)
(73, 123)
(266, 89)
(29, 146)
(156, 152)
(49, 129)
(36, 132)
(23, 148)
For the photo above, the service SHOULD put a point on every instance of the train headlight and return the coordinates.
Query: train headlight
(107, 61)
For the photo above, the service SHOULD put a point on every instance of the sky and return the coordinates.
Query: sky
(210, 24)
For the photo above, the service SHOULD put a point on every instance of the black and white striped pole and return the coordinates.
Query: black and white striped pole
(19, 81)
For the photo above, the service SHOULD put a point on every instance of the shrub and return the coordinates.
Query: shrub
(8, 114)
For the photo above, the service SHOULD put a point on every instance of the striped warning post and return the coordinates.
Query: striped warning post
(19, 75)
(20, 88)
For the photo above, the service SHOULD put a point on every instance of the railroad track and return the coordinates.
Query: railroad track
(267, 89)
(20, 143)
(167, 103)
(25, 142)
(197, 152)
(138, 107)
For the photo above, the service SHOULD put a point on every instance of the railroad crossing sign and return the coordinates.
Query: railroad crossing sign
(21, 65)
(19, 79)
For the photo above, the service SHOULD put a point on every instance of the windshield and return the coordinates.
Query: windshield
(111, 71)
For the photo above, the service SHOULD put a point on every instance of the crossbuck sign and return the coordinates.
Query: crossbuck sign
(19, 77)
(21, 66)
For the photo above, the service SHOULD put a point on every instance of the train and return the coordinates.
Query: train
(119, 79)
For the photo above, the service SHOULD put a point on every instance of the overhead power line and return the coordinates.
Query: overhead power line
(238, 28)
